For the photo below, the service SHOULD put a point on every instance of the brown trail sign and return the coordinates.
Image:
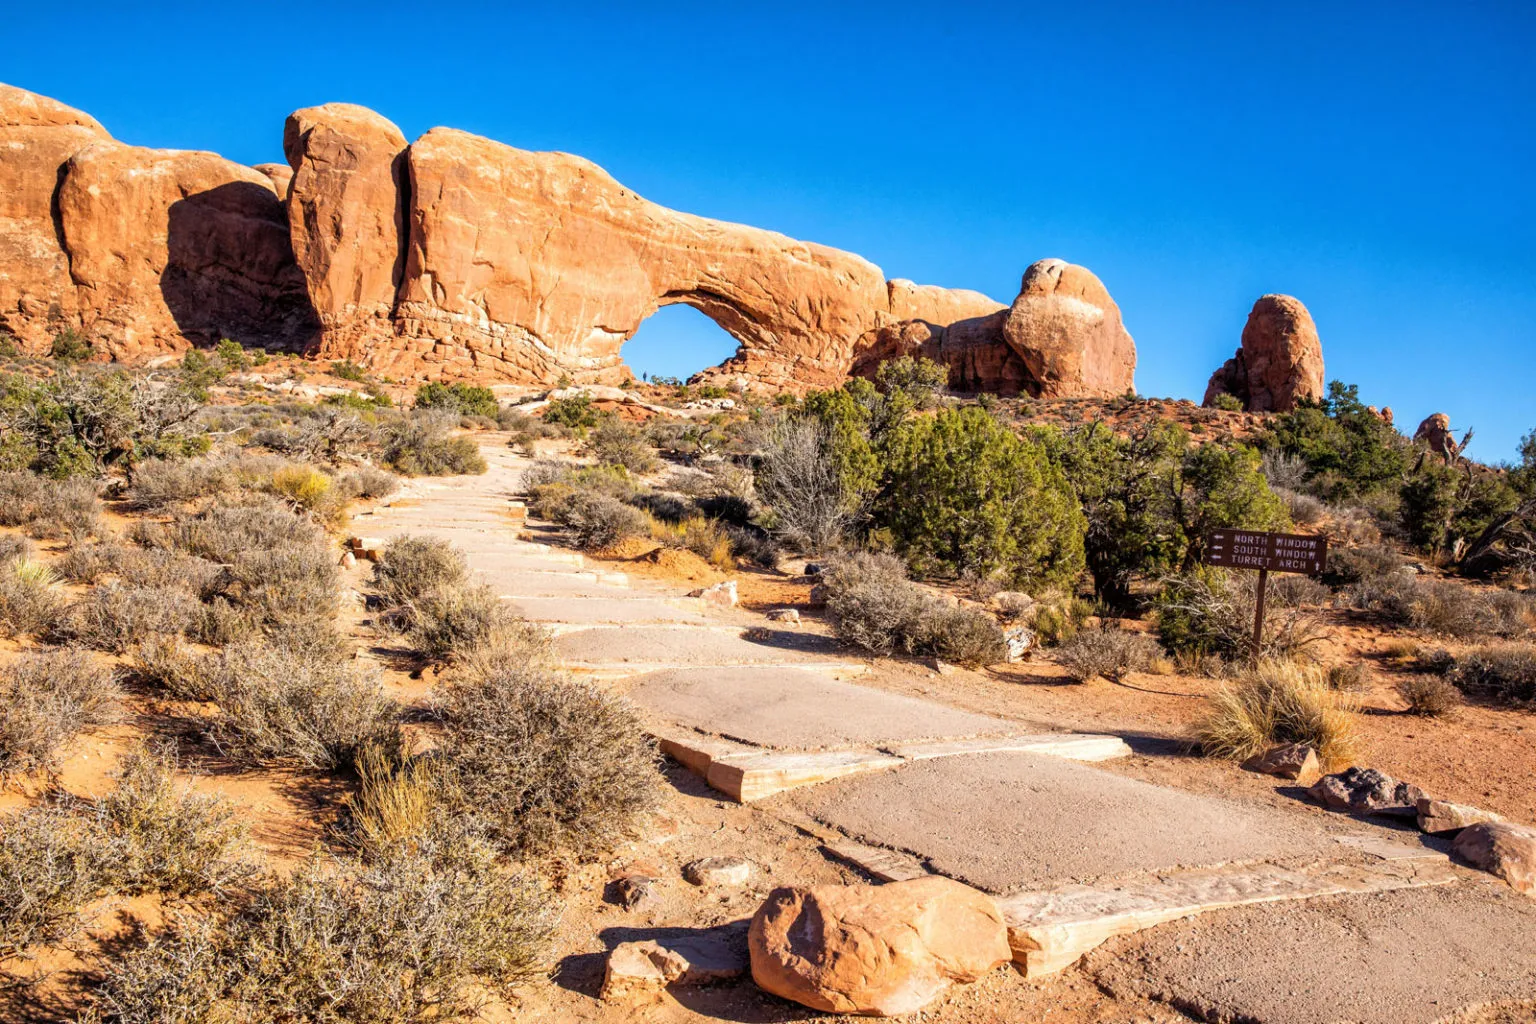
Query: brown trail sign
(1266, 552)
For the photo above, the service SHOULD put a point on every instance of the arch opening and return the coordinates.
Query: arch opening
(678, 340)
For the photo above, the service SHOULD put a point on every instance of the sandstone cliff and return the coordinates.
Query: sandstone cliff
(1280, 360)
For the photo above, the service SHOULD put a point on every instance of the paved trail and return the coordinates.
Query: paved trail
(903, 786)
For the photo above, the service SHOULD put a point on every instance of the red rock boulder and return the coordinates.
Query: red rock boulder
(1279, 363)
(1067, 330)
(346, 212)
(1435, 431)
(878, 950)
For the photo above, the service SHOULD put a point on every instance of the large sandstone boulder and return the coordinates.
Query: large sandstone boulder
(37, 137)
(170, 247)
(1067, 330)
(1435, 431)
(346, 212)
(281, 176)
(1279, 363)
(877, 950)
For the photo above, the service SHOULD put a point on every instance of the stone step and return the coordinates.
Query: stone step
(512, 586)
(1049, 930)
(1072, 746)
(612, 670)
(584, 612)
(690, 645)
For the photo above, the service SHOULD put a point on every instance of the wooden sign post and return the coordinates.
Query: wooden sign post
(1266, 552)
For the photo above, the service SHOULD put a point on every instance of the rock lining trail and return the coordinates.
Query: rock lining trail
(902, 786)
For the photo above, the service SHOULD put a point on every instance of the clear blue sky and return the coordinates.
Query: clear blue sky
(1377, 160)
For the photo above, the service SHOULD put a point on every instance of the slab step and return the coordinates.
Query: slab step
(754, 776)
(1050, 930)
(1072, 746)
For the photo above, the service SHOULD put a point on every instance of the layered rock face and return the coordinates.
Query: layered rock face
(1279, 363)
(459, 257)
(37, 138)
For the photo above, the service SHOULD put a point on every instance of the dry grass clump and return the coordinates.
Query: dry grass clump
(1275, 703)
(48, 699)
(1444, 608)
(49, 508)
(1430, 696)
(412, 566)
(1106, 653)
(873, 605)
(151, 834)
(546, 762)
(1500, 672)
(397, 804)
(296, 699)
(31, 602)
(409, 939)
(112, 617)
(1349, 677)
(704, 537)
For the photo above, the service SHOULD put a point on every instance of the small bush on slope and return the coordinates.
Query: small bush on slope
(31, 603)
(1502, 672)
(1106, 653)
(1430, 696)
(412, 566)
(422, 445)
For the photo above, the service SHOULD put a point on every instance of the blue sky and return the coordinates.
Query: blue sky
(1377, 160)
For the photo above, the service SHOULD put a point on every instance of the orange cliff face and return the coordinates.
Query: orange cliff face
(455, 256)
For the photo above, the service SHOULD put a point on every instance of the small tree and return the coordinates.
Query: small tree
(463, 399)
(812, 503)
(964, 494)
(1220, 486)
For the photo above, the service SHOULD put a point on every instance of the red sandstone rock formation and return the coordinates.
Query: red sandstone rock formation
(1279, 363)
(37, 138)
(460, 257)
(1067, 330)
(1435, 431)
(169, 248)
(346, 211)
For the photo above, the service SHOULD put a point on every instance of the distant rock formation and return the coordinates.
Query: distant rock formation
(1279, 363)
(1061, 338)
(459, 257)
(1435, 431)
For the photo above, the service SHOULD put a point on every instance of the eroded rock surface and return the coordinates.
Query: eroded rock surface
(1067, 330)
(1280, 360)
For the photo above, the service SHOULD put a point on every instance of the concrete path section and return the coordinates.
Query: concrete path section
(1413, 956)
(1006, 821)
(782, 707)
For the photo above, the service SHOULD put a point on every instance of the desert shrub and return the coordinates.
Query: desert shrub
(1211, 612)
(20, 494)
(572, 411)
(873, 605)
(965, 495)
(460, 399)
(617, 443)
(962, 635)
(1106, 653)
(1283, 471)
(596, 521)
(814, 495)
(397, 804)
(48, 699)
(1058, 618)
(297, 700)
(112, 616)
(1448, 609)
(162, 483)
(165, 836)
(412, 566)
(1429, 696)
(305, 487)
(704, 537)
(87, 563)
(450, 622)
(547, 762)
(1303, 508)
(1349, 677)
(31, 603)
(15, 549)
(169, 664)
(66, 508)
(46, 876)
(1501, 672)
(1292, 590)
(150, 834)
(754, 545)
(162, 568)
(1218, 486)
(1349, 450)
(871, 602)
(411, 939)
(421, 445)
(1357, 564)
(367, 482)
(920, 380)
(1273, 704)
(1227, 402)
